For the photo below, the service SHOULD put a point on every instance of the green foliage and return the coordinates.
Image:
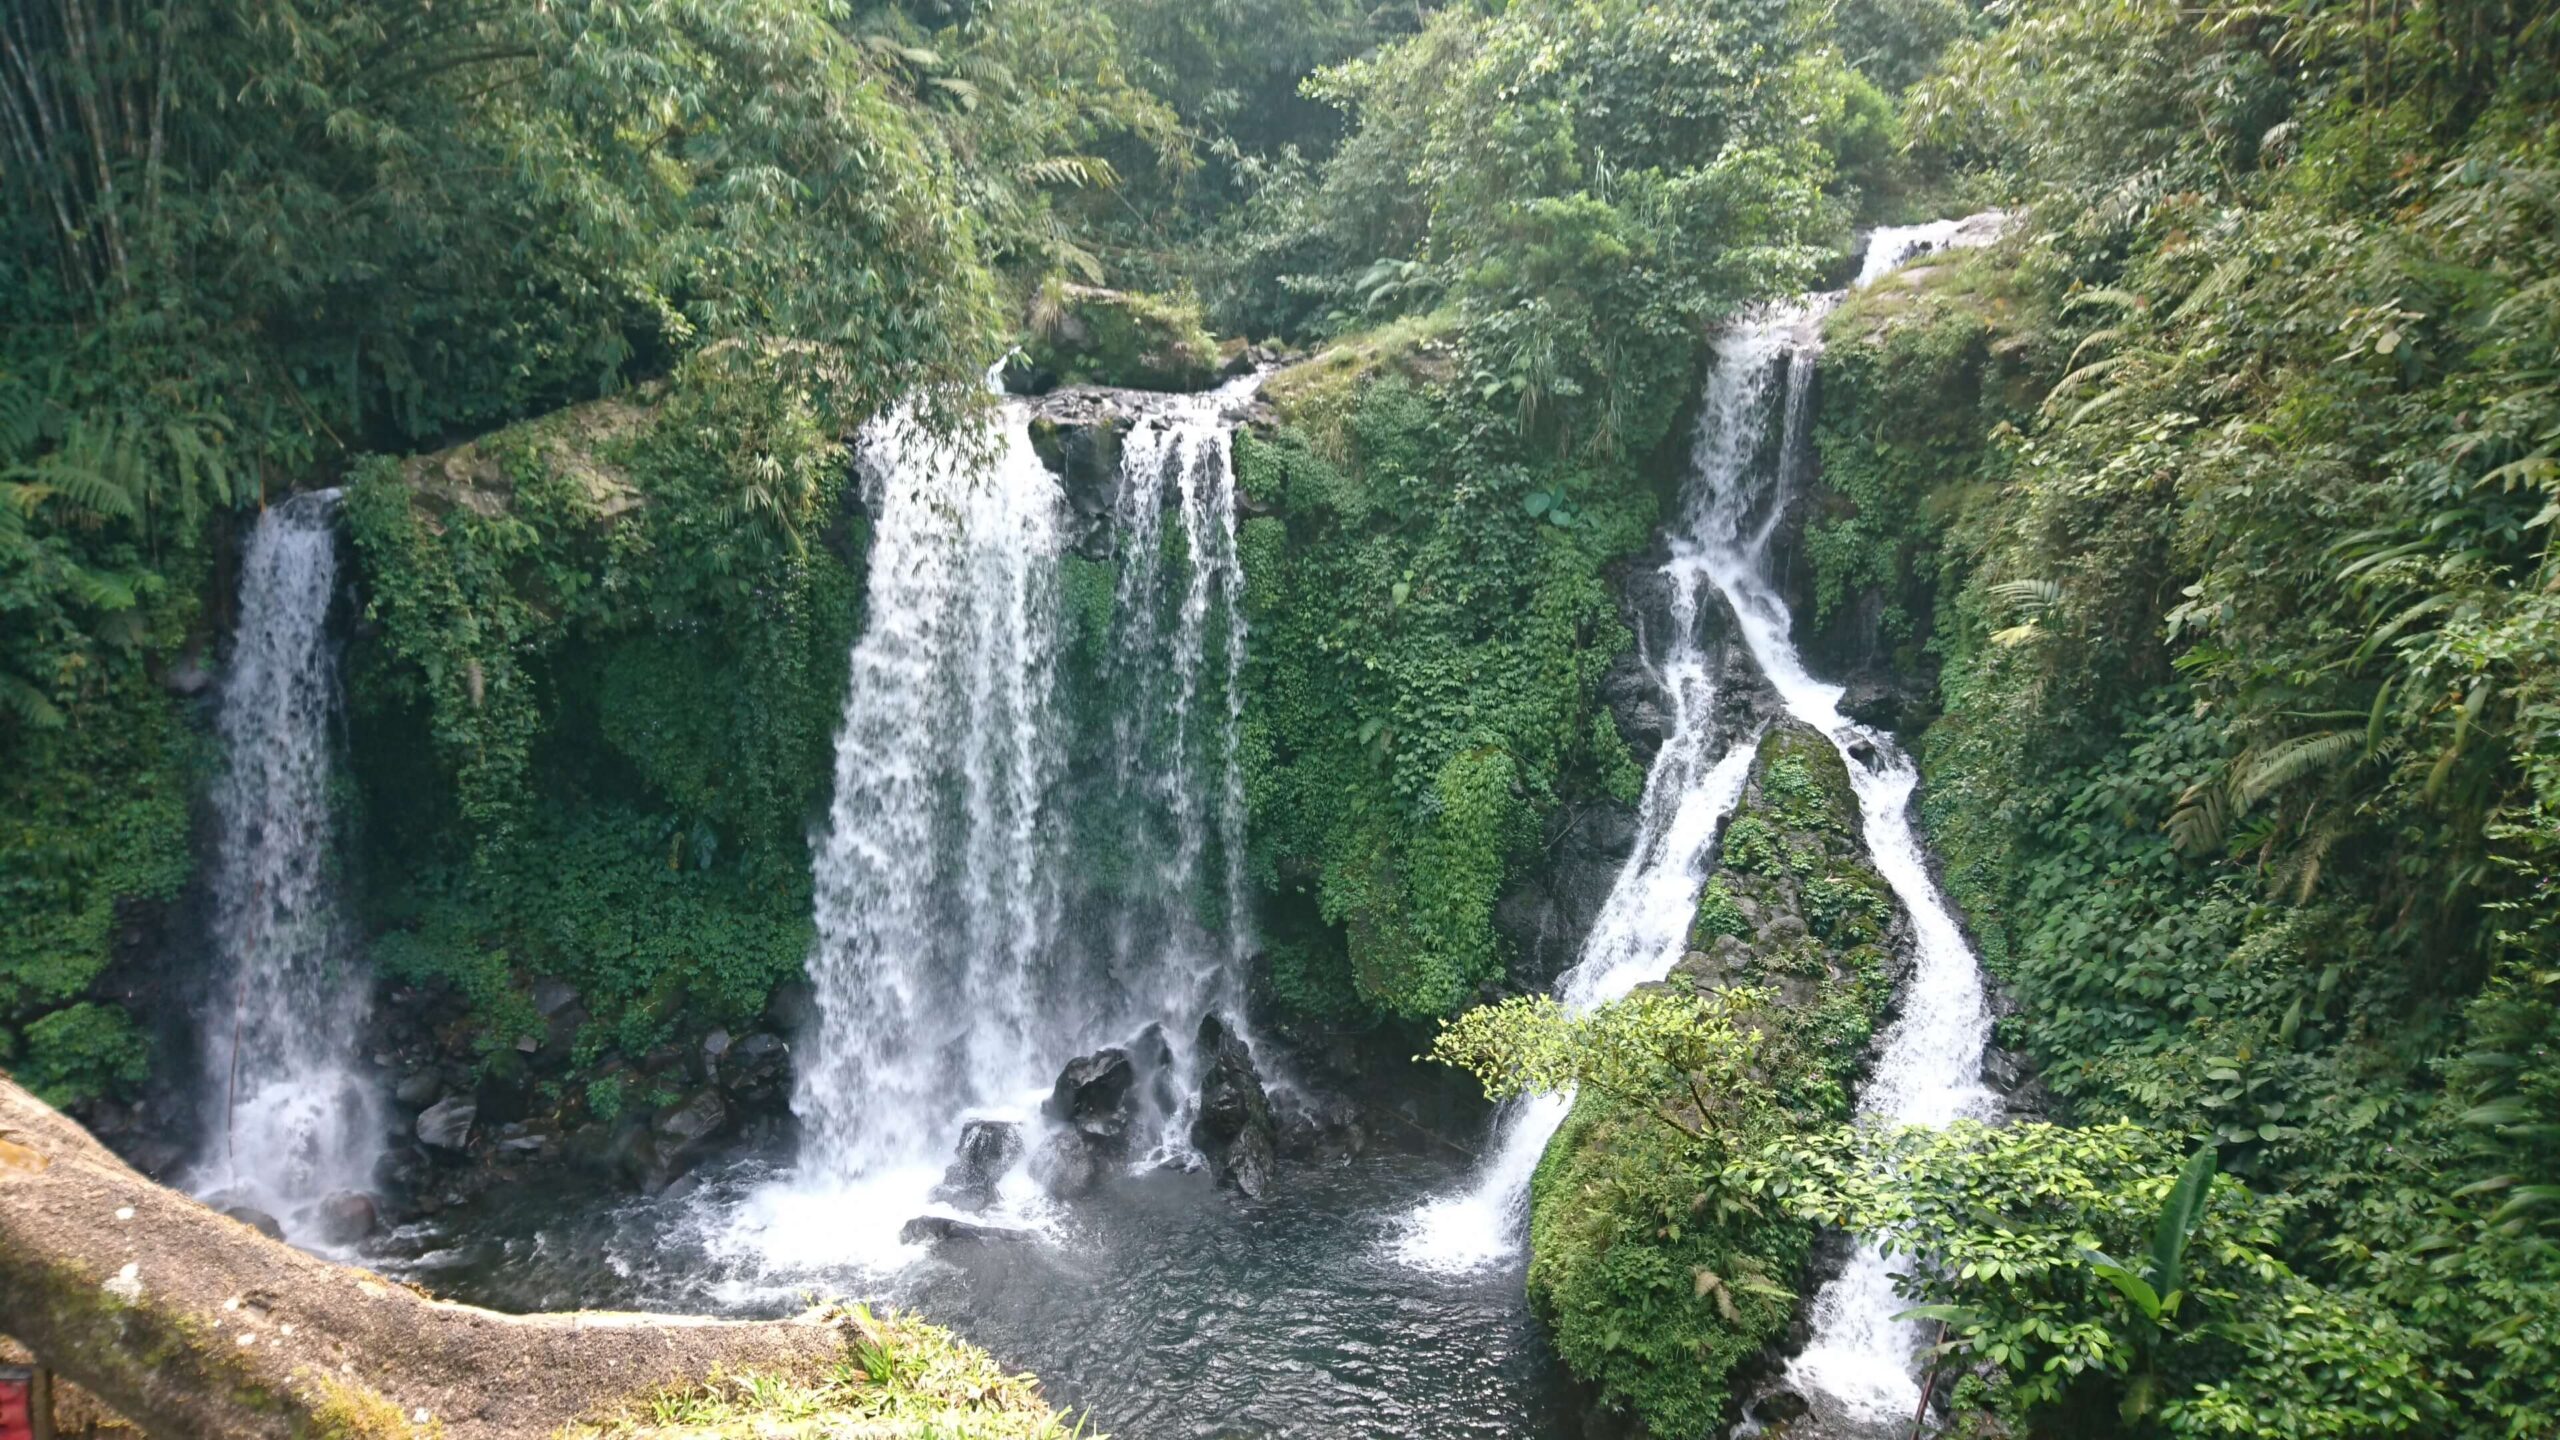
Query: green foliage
(2234, 546)
(628, 803)
(1657, 1279)
(1110, 337)
(2005, 1233)
(896, 1378)
(1421, 689)
(81, 1051)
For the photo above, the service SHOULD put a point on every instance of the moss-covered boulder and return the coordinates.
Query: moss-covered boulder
(1084, 335)
(1664, 1288)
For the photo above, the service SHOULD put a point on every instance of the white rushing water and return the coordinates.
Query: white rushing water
(954, 967)
(290, 1119)
(1859, 1365)
(1691, 787)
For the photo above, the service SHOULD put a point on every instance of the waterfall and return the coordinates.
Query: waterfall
(959, 960)
(1929, 1071)
(1174, 681)
(1859, 1363)
(935, 901)
(290, 1119)
(1691, 787)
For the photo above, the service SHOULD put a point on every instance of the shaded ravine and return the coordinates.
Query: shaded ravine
(291, 1118)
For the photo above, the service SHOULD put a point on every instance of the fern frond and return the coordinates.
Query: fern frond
(2221, 282)
(2292, 760)
(2106, 296)
(2028, 597)
(32, 706)
(1081, 171)
(2201, 820)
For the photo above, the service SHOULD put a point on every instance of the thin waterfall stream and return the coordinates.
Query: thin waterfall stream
(1860, 1362)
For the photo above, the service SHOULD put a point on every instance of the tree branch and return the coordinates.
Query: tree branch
(196, 1326)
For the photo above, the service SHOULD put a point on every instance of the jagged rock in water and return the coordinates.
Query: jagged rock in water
(1232, 1126)
(944, 1230)
(345, 1218)
(989, 1149)
(446, 1124)
(1151, 1055)
(258, 1220)
(1094, 1097)
(1065, 1165)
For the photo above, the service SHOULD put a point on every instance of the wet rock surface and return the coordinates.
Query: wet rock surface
(988, 1151)
(1232, 1125)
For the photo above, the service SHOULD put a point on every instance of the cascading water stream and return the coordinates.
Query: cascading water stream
(290, 1120)
(955, 966)
(1859, 1364)
(1174, 678)
(1691, 787)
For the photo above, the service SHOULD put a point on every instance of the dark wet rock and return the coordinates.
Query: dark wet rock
(682, 1134)
(714, 1045)
(756, 1071)
(1317, 1127)
(1232, 1127)
(1065, 1165)
(2004, 1070)
(792, 1009)
(345, 1218)
(1779, 1406)
(1550, 910)
(418, 1088)
(944, 1230)
(402, 1169)
(560, 1034)
(1093, 1097)
(1883, 703)
(503, 1097)
(258, 1220)
(1635, 702)
(989, 1149)
(1151, 1057)
(550, 997)
(446, 1124)
(155, 1152)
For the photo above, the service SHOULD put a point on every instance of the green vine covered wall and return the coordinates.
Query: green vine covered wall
(602, 659)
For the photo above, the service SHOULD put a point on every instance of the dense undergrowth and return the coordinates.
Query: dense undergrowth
(2234, 558)
(2214, 506)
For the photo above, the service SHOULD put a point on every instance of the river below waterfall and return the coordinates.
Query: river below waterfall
(1160, 1308)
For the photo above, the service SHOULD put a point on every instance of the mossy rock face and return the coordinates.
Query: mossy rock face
(1659, 1285)
(1082, 335)
(1796, 905)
